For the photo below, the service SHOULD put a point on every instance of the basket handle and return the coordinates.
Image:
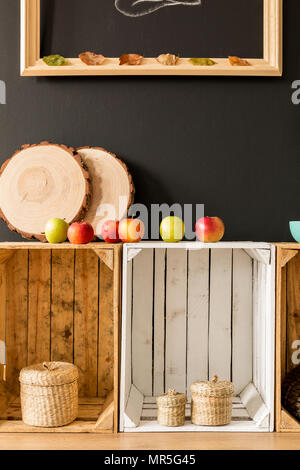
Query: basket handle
(49, 365)
(172, 392)
(215, 379)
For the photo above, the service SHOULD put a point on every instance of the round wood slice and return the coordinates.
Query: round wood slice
(40, 182)
(112, 187)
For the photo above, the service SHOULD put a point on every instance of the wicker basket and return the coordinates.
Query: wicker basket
(291, 392)
(171, 408)
(49, 394)
(212, 402)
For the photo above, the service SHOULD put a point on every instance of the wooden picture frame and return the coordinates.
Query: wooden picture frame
(33, 65)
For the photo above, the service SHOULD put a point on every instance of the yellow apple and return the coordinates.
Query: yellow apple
(172, 229)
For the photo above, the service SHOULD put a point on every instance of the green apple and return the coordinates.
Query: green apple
(56, 230)
(172, 229)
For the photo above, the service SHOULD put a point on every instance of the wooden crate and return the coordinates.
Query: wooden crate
(287, 325)
(192, 310)
(61, 303)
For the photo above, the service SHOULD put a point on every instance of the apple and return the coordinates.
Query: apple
(110, 231)
(80, 233)
(172, 229)
(131, 230)
(56, 230)
(210, 229)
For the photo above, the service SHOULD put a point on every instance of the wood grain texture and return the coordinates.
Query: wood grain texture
(16, 323)
(106, 332)
(39, 298)
(293, 307)
(62, 306)
(176, 304)
(86, 321)
(242, 311)
(220, 314)
(142, 321)
(159, 322)
(198, 317)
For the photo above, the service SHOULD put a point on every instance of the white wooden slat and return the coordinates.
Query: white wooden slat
(235, 426)
(237, 413)
(175, 368)
(220, 314)
(255, 323)
(142, 313)
(197, 245)
(128, 354)
(261, 351)
(134, 407)
(197, 321)
(255, 405)
(242, 335)
(159, 322)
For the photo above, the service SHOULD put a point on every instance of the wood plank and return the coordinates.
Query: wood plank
(16, 324)
(159, 322)
(220, 314)
(126, 374)
(39, 285)
(3, 313)
(242, 334)
(293, 307)
(86, 321)
(287, 255)
(62, 306)
(283, 315)
(133, 410)
(107, 256)
(142, 321)
(106, 419)
(106, 331)
(5, 255)
(198, 311)
(78, 426)
(289, 422)
(255, 323)
(176, 304)
(262, 279)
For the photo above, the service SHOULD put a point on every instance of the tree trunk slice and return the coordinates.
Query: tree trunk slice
(112, 187)
(40, 182)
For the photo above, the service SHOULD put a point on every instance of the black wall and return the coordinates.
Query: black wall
(230, 143)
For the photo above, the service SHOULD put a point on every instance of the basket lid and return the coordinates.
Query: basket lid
(49, 373)
(171, 398)
(213, 388)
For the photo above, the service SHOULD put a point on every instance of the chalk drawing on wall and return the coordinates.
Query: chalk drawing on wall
(136, 8)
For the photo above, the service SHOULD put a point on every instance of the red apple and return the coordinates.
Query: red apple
(210, 229)
(131, 230)
(80, 233)
(110, 231)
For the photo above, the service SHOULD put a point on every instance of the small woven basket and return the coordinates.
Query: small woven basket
(291, 392)
(171, 408)
(211, 402)
(49, 394)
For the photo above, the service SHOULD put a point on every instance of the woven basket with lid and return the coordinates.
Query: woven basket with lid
(49, 394)
(212, 402)
(171, 408)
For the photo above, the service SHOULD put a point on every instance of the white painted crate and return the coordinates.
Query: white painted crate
(192, 310)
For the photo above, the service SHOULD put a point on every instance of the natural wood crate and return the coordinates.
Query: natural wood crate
(287, 324)
(61, 303)
(192, 310)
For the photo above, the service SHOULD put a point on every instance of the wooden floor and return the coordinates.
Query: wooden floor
(157, 441)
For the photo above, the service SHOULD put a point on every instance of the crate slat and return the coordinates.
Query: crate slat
(86, 321)
(106, 331)
(198, 311)
(39, 294)
(241, 320)
(159, 322)
(176, 303)
(16, 314)
(293, 311)
(220, 314)
(142, 321)
(62, 308)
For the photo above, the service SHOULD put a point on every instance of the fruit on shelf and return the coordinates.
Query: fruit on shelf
(131, 230)
(172, 229)
(210, 229)
(56, 230)
(80, 233)
(110, 231)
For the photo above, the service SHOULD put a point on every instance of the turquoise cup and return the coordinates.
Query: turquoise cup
(295, 230)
